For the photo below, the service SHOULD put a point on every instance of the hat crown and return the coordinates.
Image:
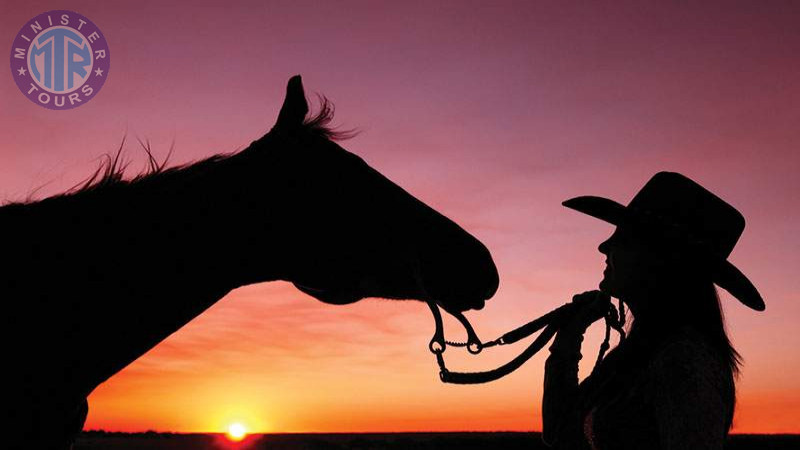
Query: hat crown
(675, 201)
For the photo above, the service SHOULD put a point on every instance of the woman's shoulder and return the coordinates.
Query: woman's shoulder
(686, 361)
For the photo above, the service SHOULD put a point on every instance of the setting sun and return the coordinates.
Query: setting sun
(236, 431)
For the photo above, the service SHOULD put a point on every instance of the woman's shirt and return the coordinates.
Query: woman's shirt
(681, 398)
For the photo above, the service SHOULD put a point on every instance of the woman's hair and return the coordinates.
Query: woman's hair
(699, 309)
(687, 298)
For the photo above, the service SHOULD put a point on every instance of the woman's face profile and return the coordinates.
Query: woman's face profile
(630, 268)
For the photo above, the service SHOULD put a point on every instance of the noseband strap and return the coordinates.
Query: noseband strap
(551, 322)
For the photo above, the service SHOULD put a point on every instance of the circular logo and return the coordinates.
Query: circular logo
(60, 59)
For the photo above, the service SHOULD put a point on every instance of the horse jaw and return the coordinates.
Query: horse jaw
(329, 296)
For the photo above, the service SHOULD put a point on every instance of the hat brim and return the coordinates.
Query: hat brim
(727, 276)
(731, 279)
(598, 207)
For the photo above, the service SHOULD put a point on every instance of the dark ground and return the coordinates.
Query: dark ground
(382, 441)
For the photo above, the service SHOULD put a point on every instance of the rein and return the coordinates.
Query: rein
(551, 322)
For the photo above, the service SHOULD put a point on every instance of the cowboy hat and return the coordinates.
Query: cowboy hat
(682, 210)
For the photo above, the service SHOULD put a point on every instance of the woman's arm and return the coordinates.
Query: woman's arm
(562, 424)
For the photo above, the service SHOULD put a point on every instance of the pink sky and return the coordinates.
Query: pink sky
(491, 112)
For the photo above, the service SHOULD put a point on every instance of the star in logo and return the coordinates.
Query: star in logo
(98, 72)
(22, 71)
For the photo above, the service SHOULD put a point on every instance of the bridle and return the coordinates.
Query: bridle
(551, 322)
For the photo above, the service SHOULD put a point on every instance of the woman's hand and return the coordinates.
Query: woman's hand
(585, 309)
(588, 307)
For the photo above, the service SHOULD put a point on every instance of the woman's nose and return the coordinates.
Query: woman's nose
(604, 247)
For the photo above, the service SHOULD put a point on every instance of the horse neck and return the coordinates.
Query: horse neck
(137, 261)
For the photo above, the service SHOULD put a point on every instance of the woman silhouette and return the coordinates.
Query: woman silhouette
(670, 384)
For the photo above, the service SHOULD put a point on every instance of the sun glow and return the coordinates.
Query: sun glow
(236, 431)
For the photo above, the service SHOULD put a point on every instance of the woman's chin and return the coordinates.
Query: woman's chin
(606, 288)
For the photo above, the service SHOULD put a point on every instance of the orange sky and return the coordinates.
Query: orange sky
(491, 113)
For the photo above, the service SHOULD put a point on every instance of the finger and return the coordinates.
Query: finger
(585, 297)
(602, 304)
(602, 296)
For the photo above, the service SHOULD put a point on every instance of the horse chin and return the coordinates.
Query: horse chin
(461, 305)
(454, 301)
(330, 296)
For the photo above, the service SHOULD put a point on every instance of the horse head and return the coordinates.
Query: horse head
(354, 233)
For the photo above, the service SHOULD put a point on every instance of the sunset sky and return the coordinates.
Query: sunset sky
(492, 113)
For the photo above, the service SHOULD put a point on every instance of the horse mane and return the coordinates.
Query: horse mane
(319, 123)
(112, 170)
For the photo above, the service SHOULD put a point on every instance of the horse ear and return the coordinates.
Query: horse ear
(294, 107)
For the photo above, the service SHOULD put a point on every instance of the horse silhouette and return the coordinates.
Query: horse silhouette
(95, 277)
